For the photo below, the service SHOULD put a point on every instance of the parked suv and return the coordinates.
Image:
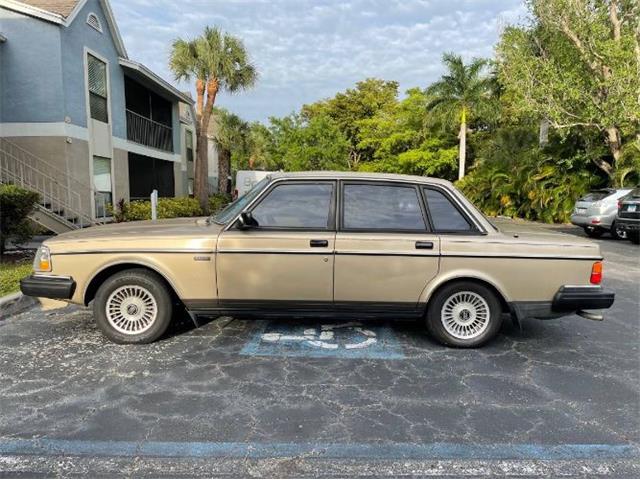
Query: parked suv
(596, 212)
(628, 217)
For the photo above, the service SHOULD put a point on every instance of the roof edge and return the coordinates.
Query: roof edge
(32, 11)
(155, 78)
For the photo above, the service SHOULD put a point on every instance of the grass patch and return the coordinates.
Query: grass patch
(10, 275)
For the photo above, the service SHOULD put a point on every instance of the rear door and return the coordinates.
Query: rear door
(385, 252)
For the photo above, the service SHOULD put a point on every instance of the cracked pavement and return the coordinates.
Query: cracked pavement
(561, 382)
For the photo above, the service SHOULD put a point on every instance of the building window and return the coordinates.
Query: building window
(190, 187)
(102, 184)
(94, 22)
(147, 174)
(97, 75)
(189, 145)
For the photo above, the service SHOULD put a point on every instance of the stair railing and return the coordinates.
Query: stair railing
(61, 194)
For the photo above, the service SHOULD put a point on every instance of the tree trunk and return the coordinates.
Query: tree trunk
(615, 147)
(543, 132)
(462, 153)
(224, 169)
(201, 174)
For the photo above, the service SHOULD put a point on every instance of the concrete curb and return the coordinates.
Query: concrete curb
(14, 304)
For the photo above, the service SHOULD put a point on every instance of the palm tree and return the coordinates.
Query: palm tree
(217, 61)
(460, 94)
(232, 135)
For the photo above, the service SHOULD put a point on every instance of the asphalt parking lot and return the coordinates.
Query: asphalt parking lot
(273, 398)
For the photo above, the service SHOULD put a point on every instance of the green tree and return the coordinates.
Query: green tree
(348, 108)
(459, 96)
(316, 143)
(402, 142)
(577, 65)
(232, 137)
(16, 204)
(217, 61)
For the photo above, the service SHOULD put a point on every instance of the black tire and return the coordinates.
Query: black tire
(593, 232)
(436, 323)
(618, 233)
(634, 237)
(150, 286)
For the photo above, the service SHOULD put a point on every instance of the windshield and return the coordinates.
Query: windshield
(234, 208)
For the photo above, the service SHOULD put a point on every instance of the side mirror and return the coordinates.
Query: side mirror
(246, 221)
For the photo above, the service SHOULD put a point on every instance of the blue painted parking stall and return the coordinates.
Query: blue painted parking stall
(282, 338)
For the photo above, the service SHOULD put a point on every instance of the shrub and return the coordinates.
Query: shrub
(167, 208)
(16, 204)
(217, 201)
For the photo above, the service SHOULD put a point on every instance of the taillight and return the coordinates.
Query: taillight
(596, 273)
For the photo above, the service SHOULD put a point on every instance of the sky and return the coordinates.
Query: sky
(307, 50)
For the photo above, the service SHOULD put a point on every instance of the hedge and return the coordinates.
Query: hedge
(167, 208)
(16, 204)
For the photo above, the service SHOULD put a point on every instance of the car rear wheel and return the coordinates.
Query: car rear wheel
(133, 306)
(593, 232)
(617, 232)
(464, 314)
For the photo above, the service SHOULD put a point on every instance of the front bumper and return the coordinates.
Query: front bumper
(581, 297)
(48, 286)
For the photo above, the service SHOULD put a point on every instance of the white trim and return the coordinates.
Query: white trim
(33, 11)
(128, 146)
(44, 129)
(47, 16)
(155, 78)
(86, 52)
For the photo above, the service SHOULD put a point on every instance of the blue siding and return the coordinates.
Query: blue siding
(31, 70)
(74, 40)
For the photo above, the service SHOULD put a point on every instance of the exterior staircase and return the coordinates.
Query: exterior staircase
(64, 200)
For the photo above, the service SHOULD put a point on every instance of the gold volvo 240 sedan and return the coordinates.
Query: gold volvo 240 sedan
(325, 244)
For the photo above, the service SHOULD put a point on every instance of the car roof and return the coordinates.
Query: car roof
(334, 175)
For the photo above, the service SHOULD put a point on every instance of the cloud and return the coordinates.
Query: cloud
(306, 50)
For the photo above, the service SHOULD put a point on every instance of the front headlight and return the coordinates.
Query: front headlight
(42, 262)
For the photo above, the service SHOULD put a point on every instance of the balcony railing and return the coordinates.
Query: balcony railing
(148, 132)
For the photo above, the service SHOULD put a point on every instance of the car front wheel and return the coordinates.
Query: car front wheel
(634, 237)
(133, 306)
(464, 314)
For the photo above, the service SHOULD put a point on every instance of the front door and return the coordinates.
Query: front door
(286, 259)
(385, 253)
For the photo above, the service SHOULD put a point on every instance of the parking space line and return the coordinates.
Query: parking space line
(389, 451)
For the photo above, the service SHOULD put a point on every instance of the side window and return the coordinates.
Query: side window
(381, 207)
(444, 215)
(296, 206)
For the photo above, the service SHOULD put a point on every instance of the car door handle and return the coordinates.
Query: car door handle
(319, 243)
(424, 245)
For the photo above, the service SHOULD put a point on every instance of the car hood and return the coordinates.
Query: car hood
(171, 234)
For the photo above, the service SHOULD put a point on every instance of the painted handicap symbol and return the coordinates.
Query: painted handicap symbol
(325, 337)
(312, 339)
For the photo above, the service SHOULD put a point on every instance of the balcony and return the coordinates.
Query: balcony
(145, 131)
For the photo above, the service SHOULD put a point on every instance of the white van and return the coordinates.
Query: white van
(246, 179)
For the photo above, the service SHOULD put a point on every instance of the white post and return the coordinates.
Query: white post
(154, 205)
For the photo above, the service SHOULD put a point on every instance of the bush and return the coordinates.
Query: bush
(16, 204)
(167, 208)
(218, 201)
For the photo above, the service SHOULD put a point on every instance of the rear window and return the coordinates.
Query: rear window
(596, 195)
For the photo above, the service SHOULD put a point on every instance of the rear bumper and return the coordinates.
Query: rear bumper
(601, 221)
(567, 300)
(629, 224)
(59, 288)
(574, 298)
